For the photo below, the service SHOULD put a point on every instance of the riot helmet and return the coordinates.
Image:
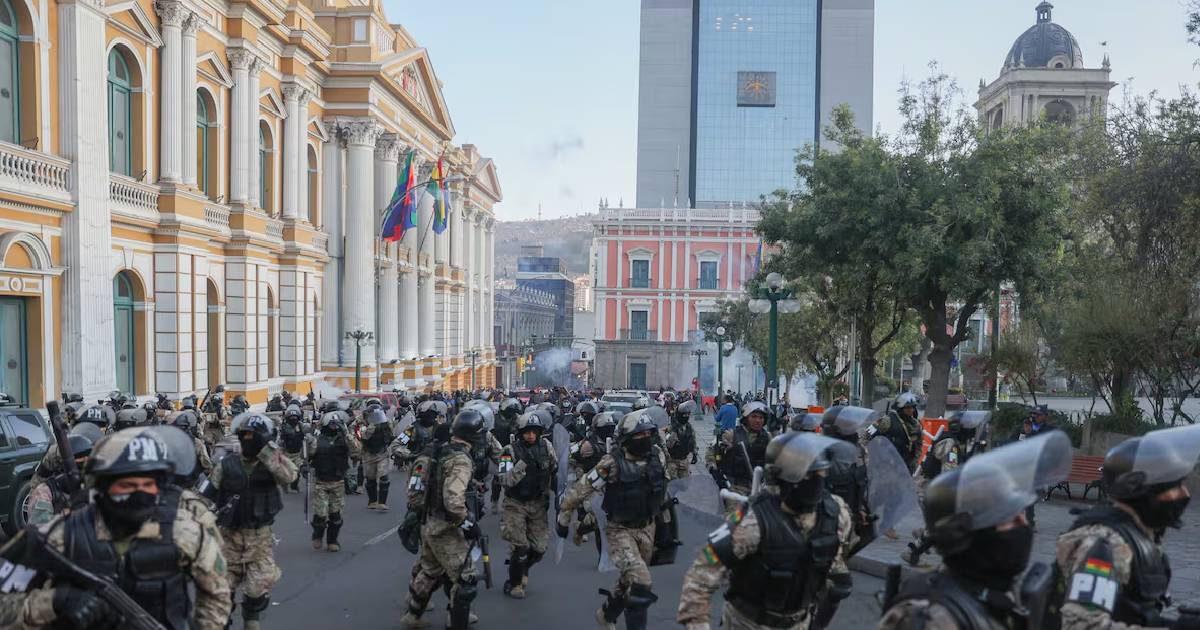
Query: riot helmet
(79, 445)
(375, 416)
(845, 422)
(796, 462)
(239, 404)
(87, 430)
(293, 413)
(186, 421)
(183, 452)
(533, 421)
(604, 424)
(510, 408)
(684, 411)
(132, 452)
(328, 406)
(485, 411)
(1138, 471)
(188, 402)
(636, 433)
(373, 402)
(755, 408)
(429, 411)
(333, 421)
(587, 410)
(551, 408)
(102, 416)
(905, 400)
(127, 418)
(806, 422)
(469, 426)
(253, 431)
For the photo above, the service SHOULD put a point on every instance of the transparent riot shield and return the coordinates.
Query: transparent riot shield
(891, 491)
(182, 449)
(996, 486)
(1167, 454)
(562, 449)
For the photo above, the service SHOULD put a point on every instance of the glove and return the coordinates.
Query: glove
(560, 529)
(519, 467)
(77, 608)
(470, 529)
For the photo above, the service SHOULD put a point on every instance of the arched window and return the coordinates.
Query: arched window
(1060, 112)
(120, 119)
(10, 79)
(202, 147)
(314, 197)
(266, 168)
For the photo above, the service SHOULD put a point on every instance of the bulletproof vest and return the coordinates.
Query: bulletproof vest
(503, 430)
(931, 466)
(536, 481)
(733, 461)
(332, 458)
(899, 438)
(599, 449)
(783, 576)
(1141, 601)
(436, 496)
(969, 612)
(421, 437)
(381, 436)
(635, 494)
(685, 441)
(848, 480)
(258, 495)
(148, 571)
(292, 437)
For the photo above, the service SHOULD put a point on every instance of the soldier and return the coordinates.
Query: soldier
(779, 550)
(975, 516)
(329, 453)
(506, 420)
(527, 471)
(188, 421)
(291, 437)
(902, 428)
(214, 412)
(948, 450)
(633, 479)
(49, 496)
(377, 461)
(239, 405)
(681, 441)
(584, 455)
(806, 422)
(415, 439)
(245, 488)
(441, 488)
(132, 532)
(102, 416)
(727, 459)
(127, 418)
(1112, 558)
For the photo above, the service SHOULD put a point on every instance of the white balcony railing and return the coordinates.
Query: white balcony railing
(216, 216)
(275, 229)
(321, 241)
(33, 171)
(130, 194)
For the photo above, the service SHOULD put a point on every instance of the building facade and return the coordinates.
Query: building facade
(658, 272)
(524, 323)
(189, 193)
(729, 91)
(549, 274)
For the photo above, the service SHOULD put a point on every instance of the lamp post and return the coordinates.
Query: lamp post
(720, 338)
(754, 362)
(699, 354)
(474, 354)
(773, 299)
(739, 389)
(360, 337)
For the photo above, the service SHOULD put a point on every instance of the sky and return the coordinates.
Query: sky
(548, 88)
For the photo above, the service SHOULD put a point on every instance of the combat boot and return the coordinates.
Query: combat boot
(384, 486)
(252, 608)
(610, 610)
(318, 533)
(372, 494)
(331, 533)
(412, 620)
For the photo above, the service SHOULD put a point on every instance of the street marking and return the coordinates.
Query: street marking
(381, 536)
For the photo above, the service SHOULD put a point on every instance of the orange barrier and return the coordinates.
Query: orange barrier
(930, 427)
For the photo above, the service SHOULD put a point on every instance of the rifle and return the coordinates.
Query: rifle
(41, 556)
(224, 509)
(72, 484)
(487, 561)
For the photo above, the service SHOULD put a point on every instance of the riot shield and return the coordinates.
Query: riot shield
(562, 449)
(485, 410)
(1167, 455)
(605, 563)
(699, 491)
(658, 416)
(846, 420)
(998, 485)
(891, 491)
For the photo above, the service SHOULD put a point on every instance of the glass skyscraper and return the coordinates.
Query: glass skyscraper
(755, 69)
(729, 90)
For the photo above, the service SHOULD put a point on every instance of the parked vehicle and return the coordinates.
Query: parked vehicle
(24, 437)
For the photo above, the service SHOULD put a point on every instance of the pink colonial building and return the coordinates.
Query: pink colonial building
(655, 273)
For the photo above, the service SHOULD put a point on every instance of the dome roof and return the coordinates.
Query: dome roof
(1045, 45)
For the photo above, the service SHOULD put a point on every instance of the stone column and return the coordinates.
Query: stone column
(410, 313)
(187, 67)
(239, 120)
(301, 142)
(291, 149)
(358, 293)
(332, 178)
(253, 192)
(172, 15)
(489, 286)
(425, 298)
(88, 361)
(456, 227)
(468, 337)
(387, 321)
(481, 273)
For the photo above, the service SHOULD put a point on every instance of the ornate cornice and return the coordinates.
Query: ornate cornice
(171, 13)
(387, 147)
(362, 132)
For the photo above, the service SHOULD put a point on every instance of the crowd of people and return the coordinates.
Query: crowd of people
(174, 506)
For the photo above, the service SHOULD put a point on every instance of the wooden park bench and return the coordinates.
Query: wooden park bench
(1085, 471)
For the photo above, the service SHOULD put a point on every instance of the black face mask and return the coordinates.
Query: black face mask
(805, 496)
(1160, 514)
(639, 447)
(125, 513)
(994, 558)
(604, 432)
(252, 446)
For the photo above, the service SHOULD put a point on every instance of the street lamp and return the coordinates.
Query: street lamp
(360, 338)
(720, 339)
(699, 354)
(739, 389)
(474, 354)
(773, 299)
(754, 362)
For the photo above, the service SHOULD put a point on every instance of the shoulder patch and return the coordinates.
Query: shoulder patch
(1092, 585)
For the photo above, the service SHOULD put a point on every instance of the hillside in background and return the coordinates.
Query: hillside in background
(569, 238)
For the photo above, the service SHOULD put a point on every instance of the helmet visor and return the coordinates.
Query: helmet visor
(971, 419)
(850, 420)
(998, 485)
(792, 455)
(1168, 454)
(180, 445)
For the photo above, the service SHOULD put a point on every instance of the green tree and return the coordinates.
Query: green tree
(1023, 358)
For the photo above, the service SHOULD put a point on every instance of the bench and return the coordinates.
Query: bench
(1085, 471)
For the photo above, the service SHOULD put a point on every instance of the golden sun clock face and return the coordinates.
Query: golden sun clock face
(756, 89)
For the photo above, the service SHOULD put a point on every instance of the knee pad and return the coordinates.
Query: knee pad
(534, 557)
(466, 592)
(335, 518)
(252, 607)
(640, 596)
(521, 554)
(319, 521)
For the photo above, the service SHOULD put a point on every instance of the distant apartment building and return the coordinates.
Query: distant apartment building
(525, 320)
(548, 274)
(658, 271)
(583, 294)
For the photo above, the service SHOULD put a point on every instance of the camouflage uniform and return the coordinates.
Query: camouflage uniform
(329, 497)
(41, 503)
(203, 462)
(707, 573)
(444, 546)
(377, 466)
(903, 432)
(213, 429)
(716, 456)
(932, 616)
(524, 523)
(198, 541)
(678, 468)
(1074, 549)
(249, 552)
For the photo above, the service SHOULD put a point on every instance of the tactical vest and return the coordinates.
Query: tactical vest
(931, 466)
(258, 495)
(381, 436)
(292, 437)
(537, 478)
(148, 572)
(421, 438)
(332, 458)
(899, 438)
(781, 579)
(968, 611)
(1142, 599)
(848, 480)
(599, 449)
(685, 441)
(733, 461)
(503, 430)
(635, 494)
(436, 495)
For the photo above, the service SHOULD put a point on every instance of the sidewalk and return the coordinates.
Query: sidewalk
(1053, 518)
